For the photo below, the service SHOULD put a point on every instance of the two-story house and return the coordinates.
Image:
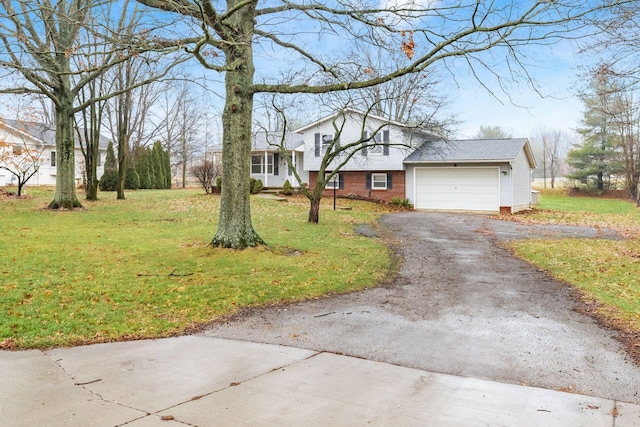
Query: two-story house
(390, 159)
(375, 171)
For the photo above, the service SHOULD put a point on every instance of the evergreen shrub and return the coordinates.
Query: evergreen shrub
(287, 188)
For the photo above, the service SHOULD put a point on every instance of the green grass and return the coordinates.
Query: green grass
(559, 201)
(142, 267)
(606, 271)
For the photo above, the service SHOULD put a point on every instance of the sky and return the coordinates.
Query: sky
(523, 110)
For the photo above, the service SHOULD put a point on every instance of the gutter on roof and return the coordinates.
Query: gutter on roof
(459, 161)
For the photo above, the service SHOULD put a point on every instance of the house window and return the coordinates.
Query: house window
(378, 144)
(334, 183)
(258, 166)
(323, 142)
(17, 150)
(378, 181)
(326, 143)
(256, 163)
(53, 158)
(377, 148)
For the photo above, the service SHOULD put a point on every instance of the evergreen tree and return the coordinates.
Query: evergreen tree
(158, 165)
(132, 179)
(167, 168)
(596, 158)
(109, 179)
(142, 167)
(152, 167)
(110, 162)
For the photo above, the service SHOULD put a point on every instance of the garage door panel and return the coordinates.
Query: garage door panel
(472, 188)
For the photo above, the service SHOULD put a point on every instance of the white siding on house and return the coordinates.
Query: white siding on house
(352, 132)
(46, 175)
(273, 180)
(521, 183)
(506, 185)
(409, 187)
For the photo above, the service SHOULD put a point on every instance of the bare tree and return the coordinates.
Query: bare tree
(338, 152)
(206, 173)
(554, 143)
(233, 33)
(617, 44)
(182, 122)
(417, 99)
(40, 41)
(20, 159)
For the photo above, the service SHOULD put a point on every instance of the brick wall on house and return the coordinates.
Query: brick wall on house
(355, 185)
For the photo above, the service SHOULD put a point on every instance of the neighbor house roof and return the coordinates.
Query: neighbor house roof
(45, 134)
(471, 150)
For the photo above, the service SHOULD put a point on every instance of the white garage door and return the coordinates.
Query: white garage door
(458, 188)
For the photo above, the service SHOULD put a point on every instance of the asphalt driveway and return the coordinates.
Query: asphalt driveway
(460, 305)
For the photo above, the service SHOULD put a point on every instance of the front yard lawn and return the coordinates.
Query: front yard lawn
(142, 268)
(607, 272)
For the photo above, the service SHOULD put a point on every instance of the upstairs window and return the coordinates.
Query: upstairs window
(53, 158)
(323, 142)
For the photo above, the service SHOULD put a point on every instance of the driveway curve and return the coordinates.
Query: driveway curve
(460, 305)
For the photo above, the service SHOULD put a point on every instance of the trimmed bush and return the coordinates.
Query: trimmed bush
(257, 186)
(400, 202)
(287, 188)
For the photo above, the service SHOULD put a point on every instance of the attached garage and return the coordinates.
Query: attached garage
(457, 188)
(485, 175)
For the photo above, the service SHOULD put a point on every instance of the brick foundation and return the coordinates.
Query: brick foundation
(355, 185)
(505, 210)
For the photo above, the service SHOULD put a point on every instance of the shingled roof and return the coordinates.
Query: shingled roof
(44, 133)
(471, 150)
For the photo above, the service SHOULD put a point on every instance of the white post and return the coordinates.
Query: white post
(266, 168)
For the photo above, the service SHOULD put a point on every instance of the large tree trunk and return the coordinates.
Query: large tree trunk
(234, 224)
(91, 171)
(314, 210)
(65, 196)
(600, 181)
(123, 145)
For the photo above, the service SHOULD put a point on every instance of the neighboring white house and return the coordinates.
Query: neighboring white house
(41, 138)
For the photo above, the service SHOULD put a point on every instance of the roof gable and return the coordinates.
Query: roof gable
(472, 150)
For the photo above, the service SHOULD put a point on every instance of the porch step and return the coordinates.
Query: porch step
(272, 197)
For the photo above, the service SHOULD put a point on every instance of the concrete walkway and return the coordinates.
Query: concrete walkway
(206, 381)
